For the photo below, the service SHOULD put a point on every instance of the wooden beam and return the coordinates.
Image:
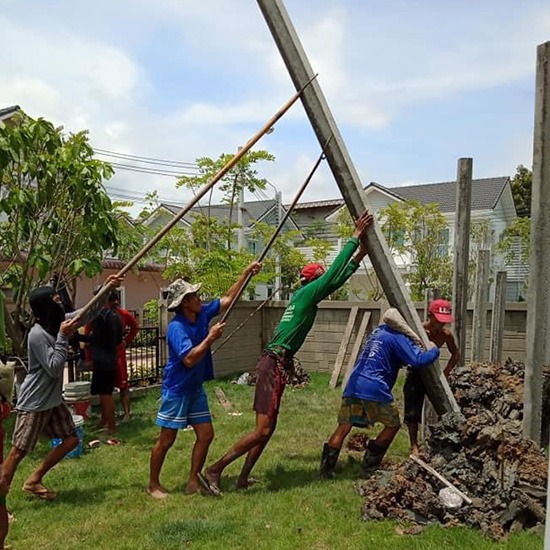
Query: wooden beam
(497, 319)
(479, 322)
(343, 347)
(357, 346)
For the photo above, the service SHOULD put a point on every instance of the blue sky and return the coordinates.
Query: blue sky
(413, 84)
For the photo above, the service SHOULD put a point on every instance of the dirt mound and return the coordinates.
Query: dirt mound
(481, 452)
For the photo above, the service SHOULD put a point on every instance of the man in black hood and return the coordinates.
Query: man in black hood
(40, 406)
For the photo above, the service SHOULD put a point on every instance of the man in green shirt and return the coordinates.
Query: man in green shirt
(275, 366)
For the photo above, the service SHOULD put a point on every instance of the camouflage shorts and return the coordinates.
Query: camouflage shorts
(362, 413)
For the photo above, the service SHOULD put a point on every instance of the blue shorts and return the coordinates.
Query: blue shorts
(178, 411)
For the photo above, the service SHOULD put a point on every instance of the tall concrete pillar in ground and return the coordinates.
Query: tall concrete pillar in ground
(350, 185)
(538, 310)
(461, 252)
(497, 319)
(479, 322)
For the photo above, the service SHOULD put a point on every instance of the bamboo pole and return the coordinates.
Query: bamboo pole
(264, 252)
(100, 296)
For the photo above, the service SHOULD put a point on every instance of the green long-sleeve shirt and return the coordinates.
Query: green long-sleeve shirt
(299, 316)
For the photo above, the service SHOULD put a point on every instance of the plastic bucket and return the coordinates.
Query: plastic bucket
(80, 407)
(79, 449)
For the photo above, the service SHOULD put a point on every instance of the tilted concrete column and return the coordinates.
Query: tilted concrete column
(538, 303)
(461, 252)
(348, 181)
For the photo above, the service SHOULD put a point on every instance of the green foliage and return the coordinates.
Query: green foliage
(521, 190)
(519, 231)
(420, 232)
(57, 215)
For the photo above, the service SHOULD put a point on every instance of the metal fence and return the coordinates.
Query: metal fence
(145, 358)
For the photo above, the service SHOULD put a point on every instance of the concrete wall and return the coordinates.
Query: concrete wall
(321, 346)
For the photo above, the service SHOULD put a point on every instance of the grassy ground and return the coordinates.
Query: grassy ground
(102, 502)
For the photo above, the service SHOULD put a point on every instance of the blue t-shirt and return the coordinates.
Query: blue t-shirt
(376, 368)
(183, 336)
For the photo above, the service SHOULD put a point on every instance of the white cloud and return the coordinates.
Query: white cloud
(377, 61)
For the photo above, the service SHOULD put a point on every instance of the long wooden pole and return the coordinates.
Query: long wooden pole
(262, 256)
(100, 296)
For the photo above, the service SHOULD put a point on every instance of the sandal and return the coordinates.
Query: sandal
(94, 444)
(113, 442)
(39, 492)
(210, 488)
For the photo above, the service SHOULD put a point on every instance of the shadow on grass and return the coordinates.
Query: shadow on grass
(282, 478)
(78, 496)
(186, 532)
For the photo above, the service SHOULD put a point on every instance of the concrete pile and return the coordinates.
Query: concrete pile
(481, 452)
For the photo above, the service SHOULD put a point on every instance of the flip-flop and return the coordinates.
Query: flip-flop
(113, 442)
(210, 488)
(94, 444)
(43, 494)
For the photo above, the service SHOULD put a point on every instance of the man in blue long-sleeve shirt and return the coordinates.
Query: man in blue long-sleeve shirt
(367, 398)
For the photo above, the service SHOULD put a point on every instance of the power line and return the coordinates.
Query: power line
(148, 160)
(153, 171)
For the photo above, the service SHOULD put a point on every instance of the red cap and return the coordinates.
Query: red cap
(442, 311)
(310, 272)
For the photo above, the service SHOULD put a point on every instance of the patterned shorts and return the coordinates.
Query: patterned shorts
(271, 381)
(52, 423)
(362, 413)
(176, 412)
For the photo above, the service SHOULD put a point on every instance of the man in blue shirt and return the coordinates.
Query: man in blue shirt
(367, 398)
(183, 400)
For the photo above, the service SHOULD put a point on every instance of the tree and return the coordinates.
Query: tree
(521, 190)
(419, 232)
(344, 230)
(55, 216)
(243, 175)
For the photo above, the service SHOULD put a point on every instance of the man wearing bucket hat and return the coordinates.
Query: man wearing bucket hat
(183, 400)
(275, 366)
(439, 314)
(40, 406)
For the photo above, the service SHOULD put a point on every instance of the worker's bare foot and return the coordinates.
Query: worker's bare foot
(245, 483)
(157, 491)
(193, 487)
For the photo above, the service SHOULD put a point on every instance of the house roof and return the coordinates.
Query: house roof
(9, 111)
(253, 211)
(485, 193)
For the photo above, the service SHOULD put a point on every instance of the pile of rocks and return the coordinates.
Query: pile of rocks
(481, 452)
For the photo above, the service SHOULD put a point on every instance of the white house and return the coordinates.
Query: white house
(492, 201)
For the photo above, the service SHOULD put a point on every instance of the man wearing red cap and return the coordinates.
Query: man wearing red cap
(439, 314)
(275, 366)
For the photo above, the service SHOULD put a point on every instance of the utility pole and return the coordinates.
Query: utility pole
(240, 209)
(350, 185)
(277, 295)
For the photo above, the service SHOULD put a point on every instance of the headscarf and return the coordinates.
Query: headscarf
(49, 314)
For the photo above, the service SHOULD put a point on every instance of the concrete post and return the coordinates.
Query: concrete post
(538, 312)
(497, 320)
(350, 185)
(479, 323)
(461, 252)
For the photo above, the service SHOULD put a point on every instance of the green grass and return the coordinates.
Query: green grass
(102, 502)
